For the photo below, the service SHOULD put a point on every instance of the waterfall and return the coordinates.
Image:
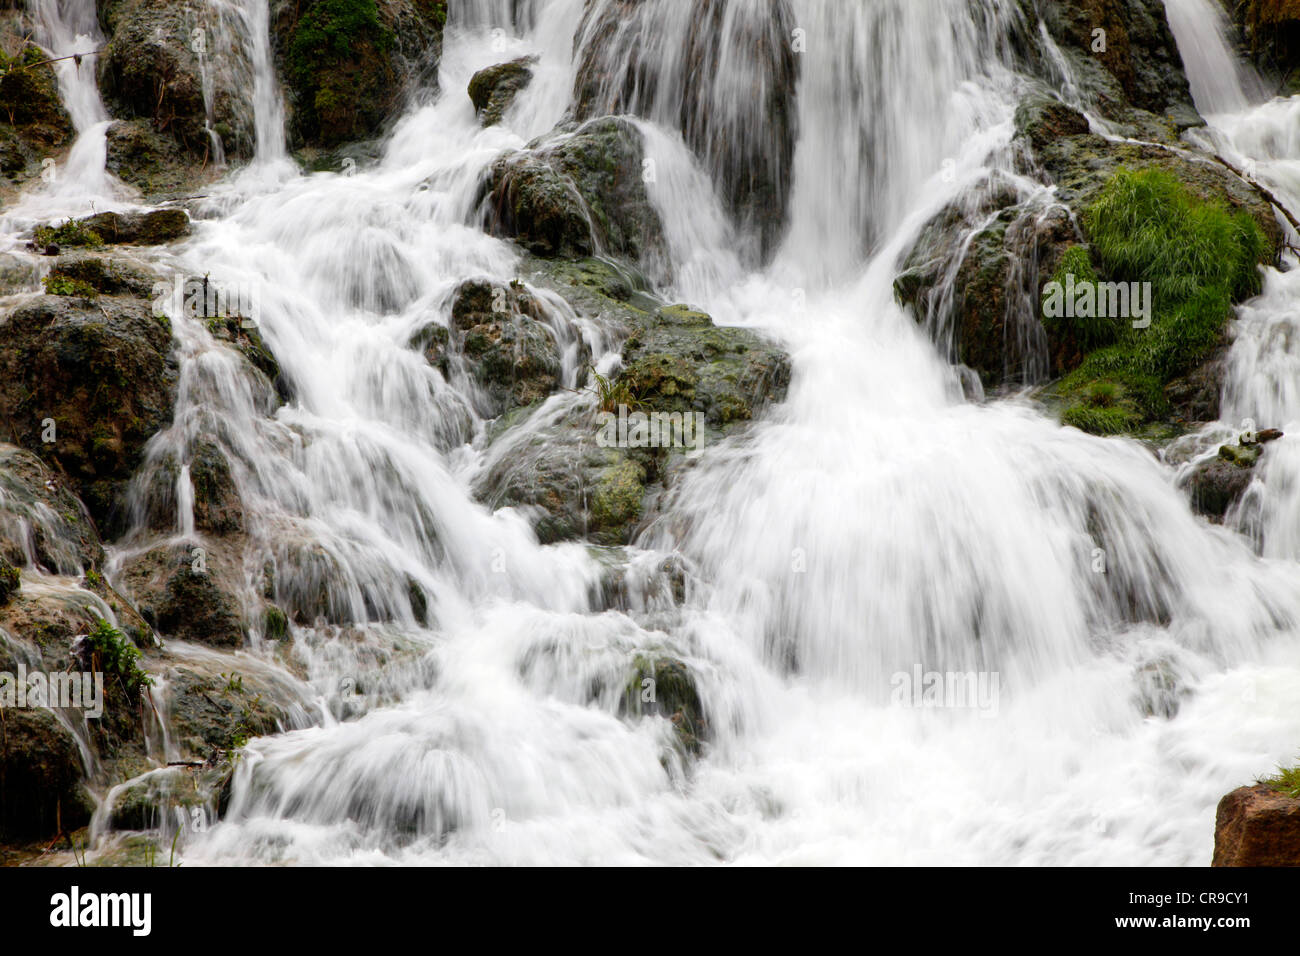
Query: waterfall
(1221, 82)
(70, 29)
(875, 524)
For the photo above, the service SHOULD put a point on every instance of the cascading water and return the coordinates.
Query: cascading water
(874, 523)
(69, 30)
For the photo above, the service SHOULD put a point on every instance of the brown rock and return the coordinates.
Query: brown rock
(1257, 826)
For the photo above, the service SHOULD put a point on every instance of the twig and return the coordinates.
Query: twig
(55, 59)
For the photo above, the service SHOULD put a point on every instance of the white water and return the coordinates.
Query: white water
(66, 28)
(872, 523)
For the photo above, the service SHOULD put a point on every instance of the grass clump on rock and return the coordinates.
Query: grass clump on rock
(1199, 258)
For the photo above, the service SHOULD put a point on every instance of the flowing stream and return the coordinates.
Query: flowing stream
(875, 523)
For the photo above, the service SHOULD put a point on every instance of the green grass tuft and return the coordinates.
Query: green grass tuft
(1199, 258)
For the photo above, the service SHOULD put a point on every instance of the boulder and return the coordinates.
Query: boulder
(189, 592)
(151, 228)
(494, 88)
(86, 383)
(1257, 826)
(498, 337)
(577, 191)
(41, 517)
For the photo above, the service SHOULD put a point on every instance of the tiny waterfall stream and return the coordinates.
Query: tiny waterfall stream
(875, 521)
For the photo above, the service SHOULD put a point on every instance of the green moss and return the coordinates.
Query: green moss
(1199, 258)
(617, 500)
(10, 581)
(335, 53)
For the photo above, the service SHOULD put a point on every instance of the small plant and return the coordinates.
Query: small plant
(56, 283)
(1285, 781)
(112, 653)
(71, 233)
(612, 394)
(94, 580)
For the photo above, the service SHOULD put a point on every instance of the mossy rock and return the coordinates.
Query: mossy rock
(494, 88)
(98, 378)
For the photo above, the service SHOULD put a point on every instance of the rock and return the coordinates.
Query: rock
(549, 462)
(677, 360)
(246, 338)
(1195, 397)
(97, 378)
(189, 595)
(1269, 435)
(151, 70)
(153, 162)
(499, 336)
(10, 581)
(1257, 826)
(574, 192)
(150, 228)
(33, 121)
(41, 773)
(144, 803)
(494, 88)
(218, 706)
(1271, 33)
(346, 64)
(1138, 77)
(1216, 485)
(40, 516)
(663, 687)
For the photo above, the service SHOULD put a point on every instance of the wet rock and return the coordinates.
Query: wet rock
(1271, 36)
(1216, 485)
(494, 88)
(41, 773)
(677, 360)
(570, 486)
(663, 687)
(218, 706)
(153, 69)
(189, 593)
(86, 383)
(577, 191)
(1196, 397)
(144, 803)
(1132, 69)
(498, 335)
(1257, 826)
(246, 338)
(40, 516)
(346, 64)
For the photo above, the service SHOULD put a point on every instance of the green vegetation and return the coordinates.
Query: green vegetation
(335, 59)
(612, 394)
(1284, 781)
(71, 233)
(10, 581)
(1199, 258)
(117, 657)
